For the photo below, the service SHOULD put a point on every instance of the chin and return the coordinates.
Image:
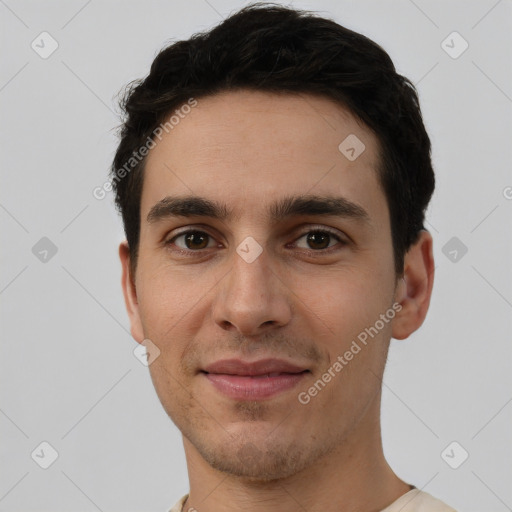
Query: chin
(260, 462)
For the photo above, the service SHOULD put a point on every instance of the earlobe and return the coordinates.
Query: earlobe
(130, 293)
(415, 288)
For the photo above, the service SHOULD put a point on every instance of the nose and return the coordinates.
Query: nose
(252, 299)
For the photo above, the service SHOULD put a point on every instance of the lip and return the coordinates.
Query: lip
(242, 380)
(255, 368)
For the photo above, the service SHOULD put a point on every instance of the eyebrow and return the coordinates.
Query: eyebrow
(290, 206)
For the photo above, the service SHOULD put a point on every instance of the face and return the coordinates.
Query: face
(285, 261)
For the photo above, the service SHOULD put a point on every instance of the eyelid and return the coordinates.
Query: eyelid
(320, 227)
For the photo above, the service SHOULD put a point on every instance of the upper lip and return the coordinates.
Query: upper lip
(262, 367)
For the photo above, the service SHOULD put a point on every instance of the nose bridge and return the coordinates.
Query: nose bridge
(251, 274)
(252, 297)
(250, 280)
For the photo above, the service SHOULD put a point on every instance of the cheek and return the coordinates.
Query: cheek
(345, 318)
(167, 296)
(347, 321)
(174, 305)
(347, 300)
(173, 391)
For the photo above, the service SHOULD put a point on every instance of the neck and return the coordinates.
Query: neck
(354, 476)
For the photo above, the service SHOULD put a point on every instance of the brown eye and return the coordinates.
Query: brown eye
(318, 240)
(196, 240)
(192, 240)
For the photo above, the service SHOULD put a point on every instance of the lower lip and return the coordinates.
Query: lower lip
(253, 388)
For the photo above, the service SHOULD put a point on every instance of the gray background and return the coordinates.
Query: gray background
(69, 376)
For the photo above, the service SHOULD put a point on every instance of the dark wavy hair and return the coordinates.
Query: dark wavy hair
(273, 48)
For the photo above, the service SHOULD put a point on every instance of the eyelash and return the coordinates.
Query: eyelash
(188, 252)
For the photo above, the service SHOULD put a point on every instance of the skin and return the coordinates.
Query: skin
(298, 302)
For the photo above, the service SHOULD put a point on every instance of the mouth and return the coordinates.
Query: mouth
(257, 380)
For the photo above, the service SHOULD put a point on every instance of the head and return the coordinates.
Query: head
(276, 212)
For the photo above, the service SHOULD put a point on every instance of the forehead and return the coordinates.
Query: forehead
(248, 148)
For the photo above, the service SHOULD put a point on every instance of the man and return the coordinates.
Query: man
(273, 176)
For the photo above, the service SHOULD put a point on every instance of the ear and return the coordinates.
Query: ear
(130, 294)
(415, 288)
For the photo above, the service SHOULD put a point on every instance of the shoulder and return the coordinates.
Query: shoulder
(179, 505)
(418, 501)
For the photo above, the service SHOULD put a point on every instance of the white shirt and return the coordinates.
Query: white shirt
(412, 501)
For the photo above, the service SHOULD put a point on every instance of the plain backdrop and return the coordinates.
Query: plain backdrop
(69, 377)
